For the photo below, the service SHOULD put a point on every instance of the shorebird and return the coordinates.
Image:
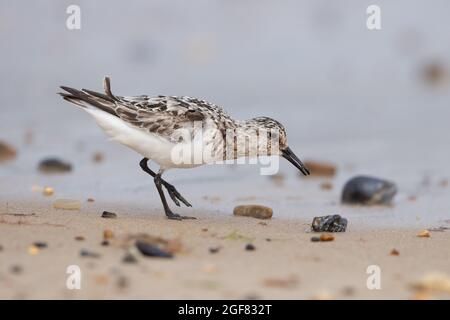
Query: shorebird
(149, 125)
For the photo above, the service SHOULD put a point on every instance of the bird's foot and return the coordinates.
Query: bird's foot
(174, 216)
(175, 195)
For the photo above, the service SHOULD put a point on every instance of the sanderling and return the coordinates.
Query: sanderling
(155, 126)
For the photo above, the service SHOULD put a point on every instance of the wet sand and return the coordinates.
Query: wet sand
(284, 265)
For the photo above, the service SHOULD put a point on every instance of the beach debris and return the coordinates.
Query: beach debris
(321, 169)
(108, 234)
(7, 152)
(434, 281)
(40, 244)
(33, 250)
(287, 283)
(90, 200)
(79, 238)
(214, 249)
(326, 186)
(48, 191)
(98, 157)
(109, 215)
(151, 250)
(324, 237)
(315, 239)
(16, 269)
(277, 179)
(394, 252)
(250, 247)
(434, 74)
(89, 254)
(54, 165)
(254, 211)
(67, 204)
(330, 223)
(424, 234)
(368, 191)
(268, 239)
(129, 258)
(104, 243)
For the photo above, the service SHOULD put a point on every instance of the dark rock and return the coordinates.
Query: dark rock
(40, 245)
(89, 254)
(150, 250)
(109, 215)
(214, 249)
(368, 191)
(129, 258)
(54, 165)
(250, 247)
(333, 223)
(315, 239)
(7, 152)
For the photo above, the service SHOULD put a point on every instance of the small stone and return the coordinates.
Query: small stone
(48, 191)
(331, 223)
(368, 191)
(7, 152)
(255, 211)
(16, 269)
(129, 258)
(40, 245)
(90, 200)
(67, 204)
(438, 282)
(150, 250)
(288, 282)
(122, 282)
(89, 254)
(54, 165)
(250, 247)
(108, 234)
(321, 169)
(109, 215)
(33, 250)
(326, 237)
(315, 239)
(394, 252)
(79, 238)
(214, 249)
(105, 243)
(326, 186)
(98, 157)
(424, 234)
(205, 229)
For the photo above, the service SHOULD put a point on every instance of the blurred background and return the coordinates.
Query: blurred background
(370, 102)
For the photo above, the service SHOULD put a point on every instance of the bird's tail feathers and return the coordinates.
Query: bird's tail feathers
(87, 98)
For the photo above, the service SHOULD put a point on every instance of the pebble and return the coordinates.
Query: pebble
(90, 200)
(150, 250)
(79, 238)
(48, 191)
(17, 269)
(7, 152)
(40, 245)
(315, 239)
(255, 211)
(98, 157)
(250, 247)
(67, 204)
(33, 250)
(326, 186)
(122, 282)
(394, 252)
(331, 223)
(108, 234)
(54, 165)
(368, 191)
(89, 254)
(214, 249)
(321, 169)
(109, 215)
(129, 258)
(105, 243)
(424, 234)
(326, 237)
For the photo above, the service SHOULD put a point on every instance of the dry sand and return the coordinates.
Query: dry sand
(285, 264)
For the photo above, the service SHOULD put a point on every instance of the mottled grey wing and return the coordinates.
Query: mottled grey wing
(160, 115)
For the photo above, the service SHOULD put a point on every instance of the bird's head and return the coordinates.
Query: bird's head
(282, 149)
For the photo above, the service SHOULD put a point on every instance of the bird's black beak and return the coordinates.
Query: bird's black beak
(292, 158)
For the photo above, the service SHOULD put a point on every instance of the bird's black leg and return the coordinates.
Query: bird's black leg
(173, 193)
(159, 182)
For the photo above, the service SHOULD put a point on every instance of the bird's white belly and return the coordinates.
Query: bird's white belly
(147, 144)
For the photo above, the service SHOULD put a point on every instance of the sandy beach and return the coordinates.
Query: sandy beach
(284, 265)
